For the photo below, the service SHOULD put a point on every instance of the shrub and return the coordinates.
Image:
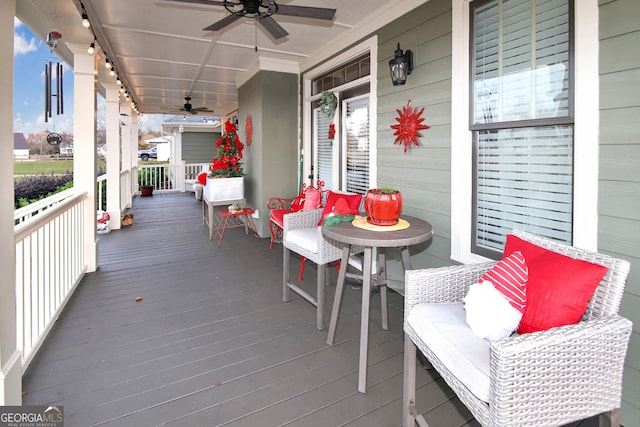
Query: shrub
(30, 189)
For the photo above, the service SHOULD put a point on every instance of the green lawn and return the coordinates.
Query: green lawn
(47, 167)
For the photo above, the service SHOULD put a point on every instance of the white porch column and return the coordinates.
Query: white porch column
(134, 148)
(84, 145)
(125, 143)
(10, 365)
(114, 209)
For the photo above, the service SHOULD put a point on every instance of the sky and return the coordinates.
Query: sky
(30, 56)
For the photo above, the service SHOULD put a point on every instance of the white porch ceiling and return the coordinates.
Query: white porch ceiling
(162, 54)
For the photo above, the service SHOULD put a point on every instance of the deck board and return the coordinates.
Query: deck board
(211, 343)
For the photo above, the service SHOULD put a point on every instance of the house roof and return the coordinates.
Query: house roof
(19, 141)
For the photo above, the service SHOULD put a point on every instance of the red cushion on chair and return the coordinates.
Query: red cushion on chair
(559, 287)
(277, 216)
(353, 201)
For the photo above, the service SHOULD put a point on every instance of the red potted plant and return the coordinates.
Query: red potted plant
(383, 206)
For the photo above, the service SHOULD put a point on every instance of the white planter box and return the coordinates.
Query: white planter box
(224, 189)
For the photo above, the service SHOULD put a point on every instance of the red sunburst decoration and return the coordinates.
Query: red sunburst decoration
(409, 125)
(248, 129)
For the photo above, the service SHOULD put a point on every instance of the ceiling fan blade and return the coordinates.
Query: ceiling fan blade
(202, 109)
(207, 2)
(270, 24)
(227, 20)
(307, 12)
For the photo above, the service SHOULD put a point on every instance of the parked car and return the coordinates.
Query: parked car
(145, 155)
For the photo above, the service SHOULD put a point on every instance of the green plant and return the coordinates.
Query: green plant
(328, 103)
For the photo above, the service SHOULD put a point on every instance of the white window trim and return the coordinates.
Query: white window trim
(368, 46)
(586, 131)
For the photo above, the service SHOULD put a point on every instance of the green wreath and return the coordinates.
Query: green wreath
(328, 103)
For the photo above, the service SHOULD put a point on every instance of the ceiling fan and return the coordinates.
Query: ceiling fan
(262, 11)
(191, 109)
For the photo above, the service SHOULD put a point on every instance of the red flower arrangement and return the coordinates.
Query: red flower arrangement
(332, 131)
(229, 148)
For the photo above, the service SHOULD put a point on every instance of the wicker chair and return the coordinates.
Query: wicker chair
(302, 235)
(304, 224)
(544, 378)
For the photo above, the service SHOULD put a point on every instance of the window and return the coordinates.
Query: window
(521, 120)
(346, 162)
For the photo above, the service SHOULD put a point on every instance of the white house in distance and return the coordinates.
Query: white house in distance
(20, 146)
(163, 148)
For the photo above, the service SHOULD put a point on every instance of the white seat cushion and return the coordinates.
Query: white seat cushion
(304, 237)
(444, 329)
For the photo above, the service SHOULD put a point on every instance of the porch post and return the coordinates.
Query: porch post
(84, 147)
(125, 142)
(134, 148)
(113, 154)
(10, 358)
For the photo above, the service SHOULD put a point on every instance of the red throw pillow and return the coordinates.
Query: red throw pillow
(353, 201)
(312, 199)
(202, 178)
(509, 277)
(559, 287)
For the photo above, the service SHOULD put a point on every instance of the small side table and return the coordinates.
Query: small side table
(208, 206)
(233, 219)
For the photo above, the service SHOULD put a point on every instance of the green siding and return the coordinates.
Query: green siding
(199, 147)
(423, 174)
(619, 180)
(271, 159)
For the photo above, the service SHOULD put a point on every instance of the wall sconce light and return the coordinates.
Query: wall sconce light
(401, 66)
(181, 128)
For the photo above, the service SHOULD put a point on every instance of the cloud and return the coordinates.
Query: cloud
(23, 46)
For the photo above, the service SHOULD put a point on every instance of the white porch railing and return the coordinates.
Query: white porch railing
(26, 212)
(49, 266)
(162, 177)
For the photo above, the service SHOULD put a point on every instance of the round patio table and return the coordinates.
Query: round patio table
(418, 231)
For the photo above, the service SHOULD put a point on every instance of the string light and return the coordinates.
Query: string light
(112, 72)
(85, 17)
(92, 48)
(107, 64)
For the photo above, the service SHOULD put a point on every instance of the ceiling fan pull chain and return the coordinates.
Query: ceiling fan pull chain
(255, 32)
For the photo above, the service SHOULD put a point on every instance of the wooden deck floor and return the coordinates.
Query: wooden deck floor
(211, 343)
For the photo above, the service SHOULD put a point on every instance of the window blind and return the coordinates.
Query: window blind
(521, 72)
(524, 181)
(520, 60)
(324, 149)
(358, 145)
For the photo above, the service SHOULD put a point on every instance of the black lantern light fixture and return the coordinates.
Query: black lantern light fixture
(401, 66)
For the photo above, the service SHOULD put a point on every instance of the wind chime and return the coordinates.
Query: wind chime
(53, 80)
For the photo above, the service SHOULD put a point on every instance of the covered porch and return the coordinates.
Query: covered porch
(212, 343)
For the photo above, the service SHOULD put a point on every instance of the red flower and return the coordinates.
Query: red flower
(229, 152)
(229, 127)
(332, 131)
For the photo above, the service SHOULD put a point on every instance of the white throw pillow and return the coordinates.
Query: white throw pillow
(489, 314)
(495, 304)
